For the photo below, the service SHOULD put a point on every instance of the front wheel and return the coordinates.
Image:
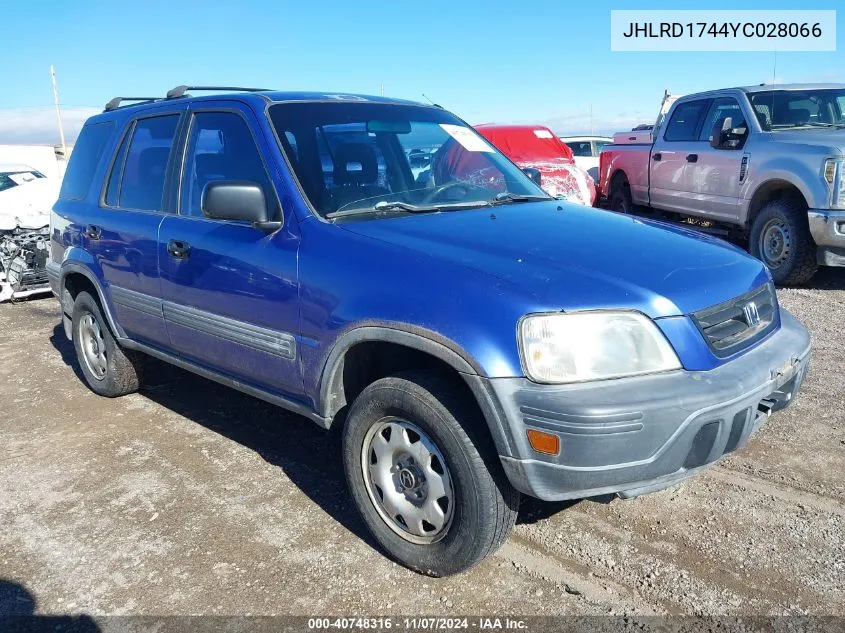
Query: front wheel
(424, 475)
(780, 238)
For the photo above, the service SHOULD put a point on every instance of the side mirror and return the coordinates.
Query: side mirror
(534, 174)
(240, 200)
(725, 136)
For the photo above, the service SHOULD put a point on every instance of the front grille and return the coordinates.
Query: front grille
(736, 324)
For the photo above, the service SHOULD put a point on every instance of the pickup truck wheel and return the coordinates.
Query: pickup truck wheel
(781, 239)
(109, 370)
(620, 200)
(424, 475)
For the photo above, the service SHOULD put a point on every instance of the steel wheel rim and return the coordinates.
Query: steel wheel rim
(93, 346)
(775, 243)
(407, 480)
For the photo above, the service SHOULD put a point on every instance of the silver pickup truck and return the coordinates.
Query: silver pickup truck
(763, 164)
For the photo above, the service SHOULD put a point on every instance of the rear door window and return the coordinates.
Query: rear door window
(113, 187)
(86, 156)
(685, 121)
(144, 169)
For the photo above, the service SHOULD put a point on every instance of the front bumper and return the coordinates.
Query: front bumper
(828, 230)
(640, 434)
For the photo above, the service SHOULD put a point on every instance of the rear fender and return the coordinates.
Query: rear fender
(79, 261)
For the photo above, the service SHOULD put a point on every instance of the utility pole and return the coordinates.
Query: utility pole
(58, 111)
(382, 88)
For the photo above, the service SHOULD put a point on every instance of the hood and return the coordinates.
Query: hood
(833, 140)
(562, 178)
(567, 257)
(27, 206)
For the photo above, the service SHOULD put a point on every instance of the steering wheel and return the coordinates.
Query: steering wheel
(435, 193)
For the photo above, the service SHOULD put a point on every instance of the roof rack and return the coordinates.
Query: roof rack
(114, 104)
(181, 91)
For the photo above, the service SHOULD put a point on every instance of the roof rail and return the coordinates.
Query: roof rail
(181, 91)
(114, 104)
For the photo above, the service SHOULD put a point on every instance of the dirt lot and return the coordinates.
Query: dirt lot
(190, 498)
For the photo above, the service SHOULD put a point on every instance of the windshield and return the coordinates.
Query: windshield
(786, 109)
(9, 179)
(384, 158)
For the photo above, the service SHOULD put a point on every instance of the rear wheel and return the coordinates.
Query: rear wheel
(109, 370)
(425, 476)
(620, 199)
(780, 238)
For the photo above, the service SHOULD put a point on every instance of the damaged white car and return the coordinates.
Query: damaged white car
(26, 197)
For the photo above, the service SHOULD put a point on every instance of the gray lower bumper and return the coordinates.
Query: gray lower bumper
(828, 230)
(641, 434)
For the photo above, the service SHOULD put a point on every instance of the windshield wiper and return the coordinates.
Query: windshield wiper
(380, 208)
(506, 197)
(808, 124)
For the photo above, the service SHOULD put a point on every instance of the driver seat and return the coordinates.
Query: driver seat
(356, 174)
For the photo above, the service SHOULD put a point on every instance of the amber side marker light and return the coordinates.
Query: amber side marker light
(544, 442)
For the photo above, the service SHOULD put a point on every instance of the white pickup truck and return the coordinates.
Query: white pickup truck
(763, 164)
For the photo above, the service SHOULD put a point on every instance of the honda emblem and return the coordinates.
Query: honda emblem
(752, 316)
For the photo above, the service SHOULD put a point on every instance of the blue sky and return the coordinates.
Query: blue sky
(540, 62)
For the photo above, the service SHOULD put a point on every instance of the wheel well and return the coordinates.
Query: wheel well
(76, 283)
(619, 179)
(772, 190)
(368, 361)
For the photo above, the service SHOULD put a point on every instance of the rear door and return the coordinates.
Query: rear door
(670, 154)
(230, 290)
(124, 238)
(713, 177)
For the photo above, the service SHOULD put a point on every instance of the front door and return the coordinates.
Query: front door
(713, 178)
(230, 290)
(126, 245)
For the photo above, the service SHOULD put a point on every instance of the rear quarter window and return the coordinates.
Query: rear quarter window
(86, 156)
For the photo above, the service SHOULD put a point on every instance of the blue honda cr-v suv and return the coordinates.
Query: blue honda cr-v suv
(473, 337)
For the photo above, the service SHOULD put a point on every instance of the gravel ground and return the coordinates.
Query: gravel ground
(190, 498)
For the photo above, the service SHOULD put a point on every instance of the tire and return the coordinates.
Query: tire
(481, 505)
(780, 238)
(108, 370)
(620, 199)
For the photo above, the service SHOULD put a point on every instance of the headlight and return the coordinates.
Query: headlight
(833, 176)
(561, 348)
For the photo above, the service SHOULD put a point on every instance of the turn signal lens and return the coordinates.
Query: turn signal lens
(829, 171)
(544, 442)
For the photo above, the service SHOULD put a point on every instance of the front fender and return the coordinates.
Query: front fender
(799, 173)
(331, 398)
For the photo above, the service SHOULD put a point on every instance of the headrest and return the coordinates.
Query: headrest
(355, 164)
(799, 116)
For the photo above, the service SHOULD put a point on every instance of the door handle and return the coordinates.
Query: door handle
(179, 249)
(93, 232)
(692, 158)
(656, 156)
